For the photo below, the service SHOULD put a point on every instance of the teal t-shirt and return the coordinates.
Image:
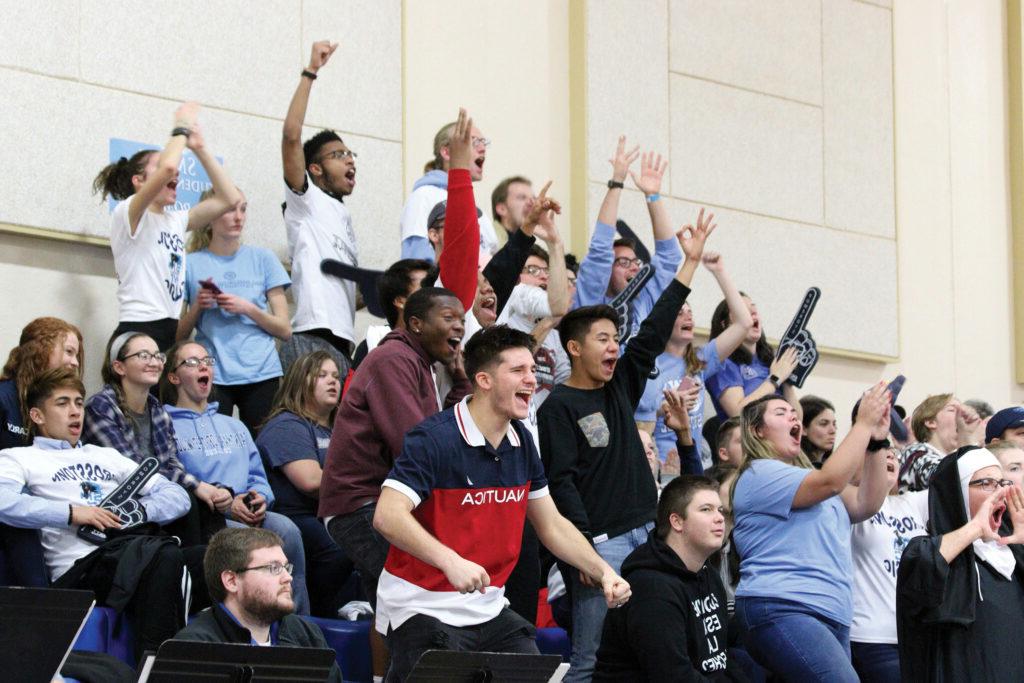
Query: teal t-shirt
(800, 555)
(245, 353)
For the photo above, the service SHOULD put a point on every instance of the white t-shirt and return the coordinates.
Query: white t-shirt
(320, 227)
(417, 210)
(76, 476)
(878, 544)
(150, 264)
(526, 306)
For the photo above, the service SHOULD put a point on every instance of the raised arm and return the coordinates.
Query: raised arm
(741, 321)
(865, 499)
(544, 210)
(652, 169)
(291, 137)
(609, 211)
(733, 400)
(460, 257)
(167, 166)
(848, 457)
(225, 194)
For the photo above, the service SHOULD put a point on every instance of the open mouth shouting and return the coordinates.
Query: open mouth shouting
(523, 397)
(454, 343)
(794, 433)
(478, 163)
(608, 365)
(488, 308)
(350, 176)
(996, 518)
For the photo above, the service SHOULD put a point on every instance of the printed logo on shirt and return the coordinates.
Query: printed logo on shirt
(544, 358)
(489, 496)
(595, 429)
(903, 529)
(91, 493)
(15, 429)
(347, 252)
(323, 442)
(175, 247)
(705, 609)
(83, 472)
(749, 372)
(213, 444)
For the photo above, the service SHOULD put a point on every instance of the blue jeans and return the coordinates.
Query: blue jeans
(588, 604)
(293, 550)
(794, 642)
(876, 662)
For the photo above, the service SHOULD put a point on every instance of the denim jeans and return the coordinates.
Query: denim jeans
(588, 604)
(293, 550)
(794, 642)
(876, 662)
(354, 534)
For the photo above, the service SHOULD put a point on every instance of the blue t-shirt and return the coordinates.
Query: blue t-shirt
(12, 431)
(245, 353)
(669, 371)
(801, 555)
(286, 438)
(749, 376)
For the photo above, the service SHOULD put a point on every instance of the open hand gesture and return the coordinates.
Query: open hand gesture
(677, 406)
(322, 51)
(984, 514)
(1014, 498)
(873, 411)
(186, 114)
(692, 239)
(783, 366)
(652, 169)
(623, 159)
(196, 141)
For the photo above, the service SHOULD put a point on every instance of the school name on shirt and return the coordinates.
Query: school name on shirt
(213, 444)
(706, 610)
(83, 472)
(491, 496)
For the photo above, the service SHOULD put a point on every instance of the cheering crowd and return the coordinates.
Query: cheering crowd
(523, 424)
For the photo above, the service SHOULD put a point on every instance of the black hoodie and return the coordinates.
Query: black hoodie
(958, 621)
(674, 626)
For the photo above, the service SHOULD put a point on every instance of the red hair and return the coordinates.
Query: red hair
(31, 357)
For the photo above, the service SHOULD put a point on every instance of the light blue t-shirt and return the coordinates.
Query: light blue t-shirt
(749, 376)
(799, 555)
(670, 371)
(245, 353)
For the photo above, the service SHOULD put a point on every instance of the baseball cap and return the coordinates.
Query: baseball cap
(1007, 418)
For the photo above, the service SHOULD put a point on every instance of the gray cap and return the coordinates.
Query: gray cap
(437, 213)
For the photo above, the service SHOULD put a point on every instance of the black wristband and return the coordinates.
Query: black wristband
(615, 185)
(181, 130)
(878, 445)
(71, 513)
(306, 73)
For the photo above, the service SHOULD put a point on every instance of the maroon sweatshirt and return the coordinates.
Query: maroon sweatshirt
(391, 393)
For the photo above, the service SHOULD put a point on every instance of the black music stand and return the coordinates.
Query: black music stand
(483, 667)
(179, 660)
(38, 626)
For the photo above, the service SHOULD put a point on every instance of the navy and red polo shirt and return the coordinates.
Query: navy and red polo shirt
(470, 496)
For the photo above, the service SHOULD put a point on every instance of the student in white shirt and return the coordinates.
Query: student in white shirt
(147, 232)
(56, 484)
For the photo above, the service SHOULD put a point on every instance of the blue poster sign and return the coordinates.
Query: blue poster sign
(192, 178)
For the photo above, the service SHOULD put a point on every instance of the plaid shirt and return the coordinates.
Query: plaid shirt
(106, 425)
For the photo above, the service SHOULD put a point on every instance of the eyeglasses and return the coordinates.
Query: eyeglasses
(988, 484)
(194, 362)
(146, 356)
(536, 271)
(274, 568)
(481, 142)
(339, 154)
(623, 262)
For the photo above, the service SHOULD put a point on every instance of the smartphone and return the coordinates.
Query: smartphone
(250, 501)
(686, 383)
(208, 285)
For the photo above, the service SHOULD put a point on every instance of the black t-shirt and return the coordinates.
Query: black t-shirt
(595, 462)
(13, 432)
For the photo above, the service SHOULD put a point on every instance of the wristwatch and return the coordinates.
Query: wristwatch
(775, 380)
(615, 184)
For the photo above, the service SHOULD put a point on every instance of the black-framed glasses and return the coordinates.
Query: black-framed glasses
(988, 484)
(193, 362)
(624, 262)
(339, 154)
(536, 271)
(146, 356)
(274, 568)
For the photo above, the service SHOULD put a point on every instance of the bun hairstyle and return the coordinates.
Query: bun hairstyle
(115, 180)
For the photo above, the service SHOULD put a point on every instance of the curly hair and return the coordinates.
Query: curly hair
(31, 357)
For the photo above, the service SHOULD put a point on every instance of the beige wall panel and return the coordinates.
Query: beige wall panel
(234, 54)
(746, 151)
(627, 82)
(856, 312)
(40, 36)
(859, 164)
(360, 90)
(770, 47)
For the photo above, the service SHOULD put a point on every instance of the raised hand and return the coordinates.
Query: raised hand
(677, 406)
(692, 239)
(623, 159)
(321, 53)
(873, 411)
(196, 141)
(652, 169)
(460, 147)
(783, 366)
(713, 261)
(185, 115)
(982, 517)
(540, 219)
